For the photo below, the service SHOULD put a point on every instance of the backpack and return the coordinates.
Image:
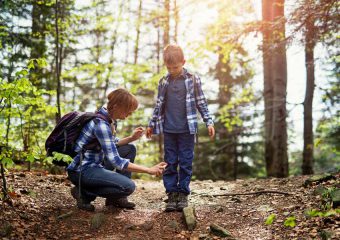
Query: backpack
(63, 137)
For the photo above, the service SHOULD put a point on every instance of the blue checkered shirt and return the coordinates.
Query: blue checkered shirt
(100, 129)
(195, 99)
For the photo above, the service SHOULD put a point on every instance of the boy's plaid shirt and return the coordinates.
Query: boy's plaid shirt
(195, 99)
(100, 129)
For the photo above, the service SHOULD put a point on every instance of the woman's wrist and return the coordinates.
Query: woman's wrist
(131, 138)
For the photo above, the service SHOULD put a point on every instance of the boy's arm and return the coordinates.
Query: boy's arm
(201, 102)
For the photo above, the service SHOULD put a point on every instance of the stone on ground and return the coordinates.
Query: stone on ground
(97, 220)
(189, 216)
(220, 231)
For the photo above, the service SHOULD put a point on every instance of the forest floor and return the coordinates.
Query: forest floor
(41, 207)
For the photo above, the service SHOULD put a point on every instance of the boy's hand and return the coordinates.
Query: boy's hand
(149, 132)
(211, 131)
(137, 133)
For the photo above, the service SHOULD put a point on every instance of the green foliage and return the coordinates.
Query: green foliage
(24, 107)
(5, 158)
(317, 213)
(270, 219)
(290, 222)
(57, 157)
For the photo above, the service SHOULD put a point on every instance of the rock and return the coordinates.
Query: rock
(173, 224)
(66, 215)
(6, 229)
(147, 226)
(335, 196)
(324, 235)
(319, 190)
(318, 179)
(189, 216)
(130, 227)
(219, 210)
(97, 220)
(220, 231)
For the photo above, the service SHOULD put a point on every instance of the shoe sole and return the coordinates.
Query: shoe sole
(170, 209)
(119, 206)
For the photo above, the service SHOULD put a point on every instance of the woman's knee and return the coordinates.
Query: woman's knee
(130, 187)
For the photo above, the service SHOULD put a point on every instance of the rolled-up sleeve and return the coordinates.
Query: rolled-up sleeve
(105, 137)
(201, 103)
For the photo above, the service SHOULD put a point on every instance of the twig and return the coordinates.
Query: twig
(250, 193)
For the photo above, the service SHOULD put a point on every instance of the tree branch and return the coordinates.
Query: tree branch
(250, 193)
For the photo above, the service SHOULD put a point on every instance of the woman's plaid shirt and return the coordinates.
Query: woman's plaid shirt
(195, 99)
(101, 130)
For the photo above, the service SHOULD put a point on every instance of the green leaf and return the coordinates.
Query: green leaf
(30, 158)
(7, 162)
(270, 219)
(313, 213)
(30, 64)
(290, 222)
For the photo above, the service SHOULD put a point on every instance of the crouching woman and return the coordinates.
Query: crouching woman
(91, 170)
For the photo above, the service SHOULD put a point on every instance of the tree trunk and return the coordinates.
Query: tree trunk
(275, 89)
(57, 68)
(138, 31)
(38, 48)
(176, 18)
(112, 55)
(166, 23)
(267, 76)
(307, 163)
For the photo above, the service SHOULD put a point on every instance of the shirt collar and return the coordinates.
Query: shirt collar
(182, 76)
(103, 110)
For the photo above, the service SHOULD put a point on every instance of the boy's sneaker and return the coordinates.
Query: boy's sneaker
(182, 201)
(120, 202)
(81, 204)
(172, 202)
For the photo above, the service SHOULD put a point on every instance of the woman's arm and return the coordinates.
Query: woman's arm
(155, 170)
(137, 133)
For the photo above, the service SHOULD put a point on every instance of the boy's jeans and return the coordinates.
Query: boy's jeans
(96, 181)
(178, 151)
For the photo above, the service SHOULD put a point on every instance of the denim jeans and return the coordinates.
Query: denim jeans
(126, 151)
(96, 181)
(178, 152)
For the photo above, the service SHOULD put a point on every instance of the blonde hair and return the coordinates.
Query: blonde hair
(121, 100)
(173, 54)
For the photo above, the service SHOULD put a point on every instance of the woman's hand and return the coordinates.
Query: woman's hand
(158, 169)
(137, 133)
(149, 132)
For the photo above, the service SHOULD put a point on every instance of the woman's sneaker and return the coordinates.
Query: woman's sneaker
(81, 204)
(182, 201)
(172, 202)
(120, 202)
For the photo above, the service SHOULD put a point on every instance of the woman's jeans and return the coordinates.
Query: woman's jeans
(178, 151)
(96, 181)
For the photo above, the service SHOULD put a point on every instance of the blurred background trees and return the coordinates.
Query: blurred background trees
(58, 56)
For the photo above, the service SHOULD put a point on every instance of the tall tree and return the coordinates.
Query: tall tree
(308, 144)
(57, 58)
(275, 87)
(138, 25)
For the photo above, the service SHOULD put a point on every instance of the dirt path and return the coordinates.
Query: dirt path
(41, 201)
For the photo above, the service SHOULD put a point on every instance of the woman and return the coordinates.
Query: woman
(93, 168)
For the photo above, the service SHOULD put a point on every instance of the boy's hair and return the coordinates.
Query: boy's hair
(173, 54)
(121, 100)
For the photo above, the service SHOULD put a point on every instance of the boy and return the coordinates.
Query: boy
(175, 115)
